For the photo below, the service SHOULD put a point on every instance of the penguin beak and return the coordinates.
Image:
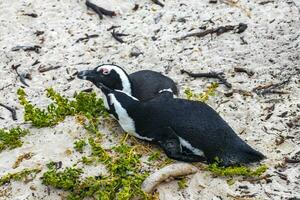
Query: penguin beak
(86, 75)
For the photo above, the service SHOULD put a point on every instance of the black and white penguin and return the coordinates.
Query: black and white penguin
(176, 124)
(143, 85)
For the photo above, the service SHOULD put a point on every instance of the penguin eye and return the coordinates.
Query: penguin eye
(104, 71)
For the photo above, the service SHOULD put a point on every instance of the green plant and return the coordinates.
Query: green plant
(204, 96)
(123, 182)
(230, 181)
(12, 138)
(98, 151)
(87, 160)
(84, 103)
(236, 170)
(67, 179)
(182, 183)
(79, 145)
(22, 175)
(154, 156)
(52, 165)
(92, 125)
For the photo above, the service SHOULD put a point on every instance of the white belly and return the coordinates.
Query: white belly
(125, 120)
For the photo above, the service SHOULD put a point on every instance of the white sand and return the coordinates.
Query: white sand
(272, 52)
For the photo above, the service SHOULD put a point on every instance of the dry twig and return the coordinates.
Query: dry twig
(271, 88)
(21, 76)
(34, 48)
(289, 160)
(21, 158)
(118, 36)
(45, 69)
(265, 2)
(157, 2)
(99, 10)
(35, 63)
(239, 69)
(253, 180)
(209, 75)
(31, 15)
(12, 110)
(218, 31)
(112, 27)
(87, 37)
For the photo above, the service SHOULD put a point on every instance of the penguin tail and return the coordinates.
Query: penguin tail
(252, 156)
(239, 156)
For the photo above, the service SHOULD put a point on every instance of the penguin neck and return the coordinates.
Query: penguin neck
(125, 81)
(123, 106)
(123, 99)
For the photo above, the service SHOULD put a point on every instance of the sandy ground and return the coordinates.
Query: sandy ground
(271, 49)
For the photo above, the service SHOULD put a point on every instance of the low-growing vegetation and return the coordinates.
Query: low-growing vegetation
(123, 182)
(236, 170)
(154, 156)
(182, 183)
(25, 175)
(84, 103)
(79, 145)
(66, 179)
(204, 96)
(10, 139)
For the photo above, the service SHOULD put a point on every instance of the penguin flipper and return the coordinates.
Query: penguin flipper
(170, 143)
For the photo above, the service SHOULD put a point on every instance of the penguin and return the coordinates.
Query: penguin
(143, 85)
(176, 124)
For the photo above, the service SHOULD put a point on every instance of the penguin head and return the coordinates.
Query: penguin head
(112, 76)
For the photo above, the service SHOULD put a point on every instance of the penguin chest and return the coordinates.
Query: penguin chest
(126, 122)
(105, 102)
(128, 125)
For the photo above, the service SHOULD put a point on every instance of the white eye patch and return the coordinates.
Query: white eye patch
(104, 71)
